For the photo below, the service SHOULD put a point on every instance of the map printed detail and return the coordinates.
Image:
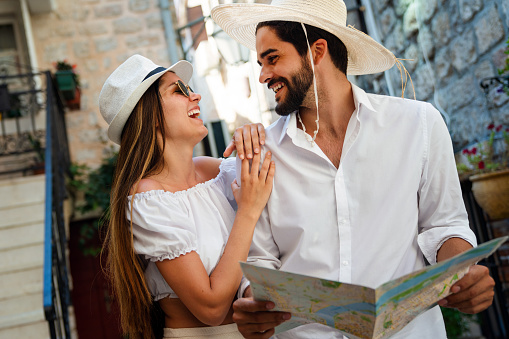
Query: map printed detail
(359, 311)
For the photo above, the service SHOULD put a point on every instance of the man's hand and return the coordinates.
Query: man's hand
(473, 293)
(254, 318)
(246, 140)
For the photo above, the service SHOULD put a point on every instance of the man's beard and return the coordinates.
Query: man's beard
(296, 89)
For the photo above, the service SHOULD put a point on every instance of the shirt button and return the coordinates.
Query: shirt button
(345, 263)
(342, 221)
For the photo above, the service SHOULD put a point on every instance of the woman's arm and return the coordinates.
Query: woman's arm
(210, 298)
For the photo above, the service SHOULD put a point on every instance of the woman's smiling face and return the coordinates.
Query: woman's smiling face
(181, 112)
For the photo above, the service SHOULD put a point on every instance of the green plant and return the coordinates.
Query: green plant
(482, 158)
(94, 186)
(456, 323)
(63, 65)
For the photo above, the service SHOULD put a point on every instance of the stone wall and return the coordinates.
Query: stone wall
(454, 44)
(97, 36)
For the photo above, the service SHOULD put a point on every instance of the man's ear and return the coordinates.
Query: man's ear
(319, 49)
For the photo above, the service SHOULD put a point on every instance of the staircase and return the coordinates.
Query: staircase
(21, 258)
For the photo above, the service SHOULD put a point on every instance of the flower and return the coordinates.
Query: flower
(63, 65)
(485, 157)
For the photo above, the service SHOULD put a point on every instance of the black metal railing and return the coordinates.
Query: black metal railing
(56, 298)
(494, 321)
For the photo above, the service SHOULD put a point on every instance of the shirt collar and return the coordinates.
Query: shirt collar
(360, 98)
(289, 126)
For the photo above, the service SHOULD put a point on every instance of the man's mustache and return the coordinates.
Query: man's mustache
(273, 81)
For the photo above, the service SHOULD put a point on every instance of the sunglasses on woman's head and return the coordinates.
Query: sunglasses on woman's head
(185, 89)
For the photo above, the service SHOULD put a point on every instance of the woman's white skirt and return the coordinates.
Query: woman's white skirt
(229, 331)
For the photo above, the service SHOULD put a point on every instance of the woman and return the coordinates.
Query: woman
(173, 235)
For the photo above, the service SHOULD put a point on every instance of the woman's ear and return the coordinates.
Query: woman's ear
(319, 49)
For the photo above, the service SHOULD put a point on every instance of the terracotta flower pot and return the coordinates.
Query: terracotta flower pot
(74, 104)
(491, 191)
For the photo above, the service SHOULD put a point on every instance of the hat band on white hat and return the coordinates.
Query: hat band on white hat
(155, 71)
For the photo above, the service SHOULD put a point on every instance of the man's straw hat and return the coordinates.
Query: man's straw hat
(365, 55)
(127, 84)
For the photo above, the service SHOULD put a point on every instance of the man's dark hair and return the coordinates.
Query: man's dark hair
(293, 33)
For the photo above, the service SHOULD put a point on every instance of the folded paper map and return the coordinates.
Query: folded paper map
(357, 310)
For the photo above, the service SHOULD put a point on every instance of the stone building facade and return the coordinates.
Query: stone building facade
(453, 44)
(96, 36)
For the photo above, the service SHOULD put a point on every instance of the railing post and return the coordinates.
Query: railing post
(48, 222)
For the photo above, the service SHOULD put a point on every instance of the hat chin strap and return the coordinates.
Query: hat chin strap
(308, 137)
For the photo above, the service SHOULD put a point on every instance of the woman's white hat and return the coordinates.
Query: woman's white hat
(365, 55)
(127, 84)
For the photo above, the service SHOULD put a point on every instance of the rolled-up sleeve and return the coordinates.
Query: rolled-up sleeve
(442, 213)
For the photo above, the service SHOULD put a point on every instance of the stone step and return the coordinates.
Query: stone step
(21, 310)
(37, 330)
(21, 258)
(21, 191)
(16, 284)
(19, 165)
(19, 319)
(31, 213)
(21, 322)
(21, 236)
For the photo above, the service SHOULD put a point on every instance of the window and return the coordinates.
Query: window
(7, 38)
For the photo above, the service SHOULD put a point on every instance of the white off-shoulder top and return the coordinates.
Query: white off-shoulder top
(167, 225)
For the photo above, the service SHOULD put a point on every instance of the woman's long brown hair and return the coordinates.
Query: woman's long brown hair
(138, 157)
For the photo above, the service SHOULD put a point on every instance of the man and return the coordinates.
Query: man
(366, 185)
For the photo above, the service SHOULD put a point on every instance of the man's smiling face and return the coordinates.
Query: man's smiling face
(284, 70)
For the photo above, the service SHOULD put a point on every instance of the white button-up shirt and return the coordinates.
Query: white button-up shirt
(394, 198)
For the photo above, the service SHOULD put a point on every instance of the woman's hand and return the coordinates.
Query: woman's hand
(246, 140)
(256, 185)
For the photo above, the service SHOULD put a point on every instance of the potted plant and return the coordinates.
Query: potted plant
(67, 81)
(489, 173)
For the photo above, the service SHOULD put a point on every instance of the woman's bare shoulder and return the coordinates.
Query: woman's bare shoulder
(208, 167)
(146, 185)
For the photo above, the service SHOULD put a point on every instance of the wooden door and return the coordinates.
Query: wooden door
(97, 315)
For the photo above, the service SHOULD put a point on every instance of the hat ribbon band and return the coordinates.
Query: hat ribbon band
(157, 70)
